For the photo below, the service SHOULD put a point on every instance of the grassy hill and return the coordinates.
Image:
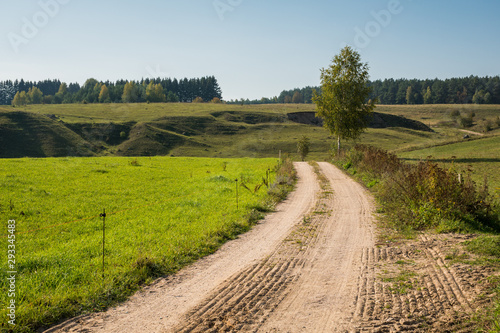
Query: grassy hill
(207, 130)
(29, 134)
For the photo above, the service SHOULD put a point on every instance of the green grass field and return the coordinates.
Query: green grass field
(220, 130)
(480, 156)
(162, 214)
(434, 114)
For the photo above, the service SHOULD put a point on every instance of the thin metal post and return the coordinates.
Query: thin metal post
(236, 180)
(103, 215)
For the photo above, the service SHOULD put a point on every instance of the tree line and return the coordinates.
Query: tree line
(472, 89)
(22, 92)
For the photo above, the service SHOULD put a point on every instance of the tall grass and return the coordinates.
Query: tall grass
(163, 213)
(423, 195)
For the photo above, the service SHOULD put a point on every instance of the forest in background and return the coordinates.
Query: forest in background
(472, 89)
(467, 90)
(147, 90)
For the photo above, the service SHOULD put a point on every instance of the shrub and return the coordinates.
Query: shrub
(424, 195)
(303, 147)
(466, 121)
(487, 126)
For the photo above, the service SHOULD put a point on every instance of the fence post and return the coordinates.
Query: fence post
(236, 180)
(103, 215)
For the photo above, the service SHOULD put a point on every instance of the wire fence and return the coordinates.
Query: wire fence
(99, 215)
(131, 208)
(104, 214)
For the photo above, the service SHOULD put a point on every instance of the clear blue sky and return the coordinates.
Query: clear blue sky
(254, 48)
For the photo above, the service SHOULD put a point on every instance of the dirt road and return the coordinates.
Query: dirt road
(323, 298)
(312, 266)
(303, 259)
(472, 132)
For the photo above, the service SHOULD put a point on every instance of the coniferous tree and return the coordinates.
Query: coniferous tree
(7, 92)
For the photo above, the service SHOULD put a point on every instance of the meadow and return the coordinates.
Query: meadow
(162, 213)
(122, 112)
(440, 114)
(480, 158)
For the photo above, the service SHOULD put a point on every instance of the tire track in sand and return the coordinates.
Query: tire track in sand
(413, 288)
(308, 283)
(323, 299)
(246, 300)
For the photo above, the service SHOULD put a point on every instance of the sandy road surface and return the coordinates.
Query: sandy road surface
(323, 298)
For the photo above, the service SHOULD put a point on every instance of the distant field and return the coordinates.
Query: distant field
(162, 214)
(105, 113)
(482, 156)
(433, 114)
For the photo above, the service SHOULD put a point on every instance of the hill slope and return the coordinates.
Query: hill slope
(379, 120)
(28, 134)
(212, 130)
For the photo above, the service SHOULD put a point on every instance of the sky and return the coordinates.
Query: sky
(255, 48)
